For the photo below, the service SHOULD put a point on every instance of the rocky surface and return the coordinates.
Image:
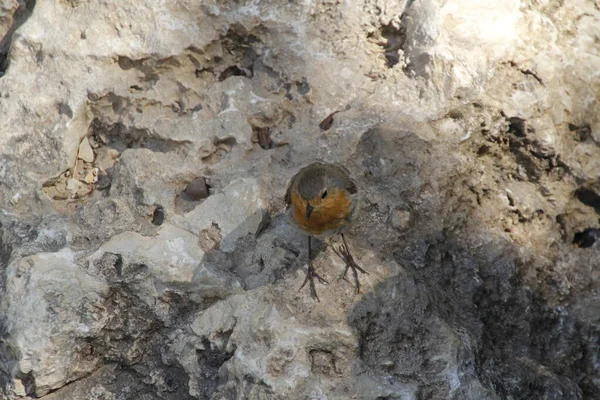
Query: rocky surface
(472, 129)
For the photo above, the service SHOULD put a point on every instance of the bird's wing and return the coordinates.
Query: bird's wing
(350, 186)
(288, 193)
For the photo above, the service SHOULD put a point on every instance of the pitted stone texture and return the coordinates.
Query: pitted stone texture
(54, 307)
(473, 130)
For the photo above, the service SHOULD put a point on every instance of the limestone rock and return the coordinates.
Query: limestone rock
(85, 151)
(238, 211)
(400, 219)
(472, 128)
(171, 258)
(54, 306)
(8, 11)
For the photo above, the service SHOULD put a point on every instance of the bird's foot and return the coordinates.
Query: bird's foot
(310, 277)
(344, 253)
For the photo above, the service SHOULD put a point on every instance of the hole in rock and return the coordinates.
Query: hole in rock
(517, 126)
(196, 190)
(391, 38)
(582, 133)
(586, 238)
(263, 136)
(158, 217)
(589, 197)
(234, 70)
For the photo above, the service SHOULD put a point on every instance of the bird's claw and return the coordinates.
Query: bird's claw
(344, 253)
(310, 275)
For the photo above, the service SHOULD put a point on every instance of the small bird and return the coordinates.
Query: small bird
(322, 201)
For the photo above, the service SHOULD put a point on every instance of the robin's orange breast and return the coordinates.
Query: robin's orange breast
(330, 215)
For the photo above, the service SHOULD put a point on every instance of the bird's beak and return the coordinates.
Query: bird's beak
(309, 210)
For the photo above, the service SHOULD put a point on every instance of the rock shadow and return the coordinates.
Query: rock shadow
(463, 320)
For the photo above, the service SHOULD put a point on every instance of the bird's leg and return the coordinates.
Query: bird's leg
(311, 274)
(344, 253)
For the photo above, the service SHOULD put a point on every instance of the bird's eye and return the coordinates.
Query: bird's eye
(324, 194)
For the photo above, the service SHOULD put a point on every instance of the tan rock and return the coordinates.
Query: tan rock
(85, 151)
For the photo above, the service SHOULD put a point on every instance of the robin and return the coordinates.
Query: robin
(322, 201)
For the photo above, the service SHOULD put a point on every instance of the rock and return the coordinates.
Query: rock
(106, 157)
(172, 256)
(9, 11)
(238, 211)
(470, 130)
(45, 324)
(102, 220)
(158, 216)
(77, 188)
(85, 151)
(435, 34)
(91, 176)
(400, 219)
(196, 190)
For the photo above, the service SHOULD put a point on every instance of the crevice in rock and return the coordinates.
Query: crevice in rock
(391, 38)
(303, 87)
(581, 132)
(210, 361)
(530, 155)
(28, 382)
(20, 16)
(147, 66)
(197, 189)
(222, 147)
(64, 109)
(158, 216)
(5, 253)
(239, 51)
(589, 197)
(121, 138)
(586, 238)
(517, 126)
(98, 153)
(263, 136)
(66, 385)
(396, 37)
(527, 72)
(7, 360)
(117, 262)
(239, 45)
(234, 70)
(264, 128)
(192, 195)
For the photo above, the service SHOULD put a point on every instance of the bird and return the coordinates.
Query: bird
(321, 201)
